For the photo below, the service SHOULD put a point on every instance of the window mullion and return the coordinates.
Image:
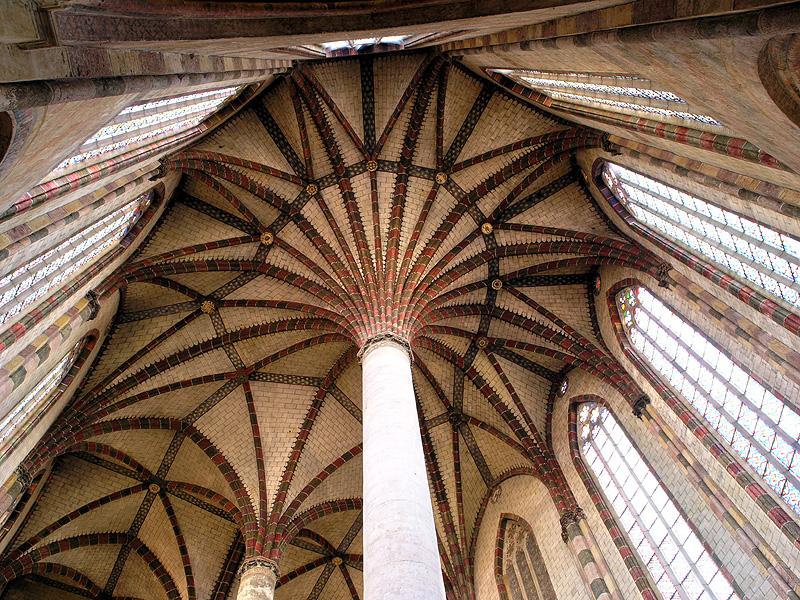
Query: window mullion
(724, 249)
(779, 252)
(766, 452)
(635, 513)
(46, 281)
(742, 398)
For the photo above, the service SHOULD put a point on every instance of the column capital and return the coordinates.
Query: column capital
(256, 562)
(385, 338)
(570, 517)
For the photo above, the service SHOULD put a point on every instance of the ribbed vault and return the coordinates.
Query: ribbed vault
(397, 194)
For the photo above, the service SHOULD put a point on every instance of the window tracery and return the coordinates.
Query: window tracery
(665, 541)
(30, 282)
(524, 570)
(749, 250)
(617, 92)
(760, 427)
(148, 121)
(35, 402)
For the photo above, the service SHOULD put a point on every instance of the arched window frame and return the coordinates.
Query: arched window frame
(30, 284)
(762, 302)
(151, 121)
(56, 184)
(617, 95)
(544, 583)
(630, 556)
(65, 293)
(717, 405)
(765, 499)
(76, 358)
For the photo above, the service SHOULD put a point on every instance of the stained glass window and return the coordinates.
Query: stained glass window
(25, 285)
(678, 562)
(394, 40)
(748, 250)
(623, 93)
(760, 427)
(34, 403)
(148, 121)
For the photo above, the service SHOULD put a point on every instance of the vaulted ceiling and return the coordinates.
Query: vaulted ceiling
(395, 193)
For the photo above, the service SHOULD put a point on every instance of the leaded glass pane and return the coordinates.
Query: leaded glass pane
(27, 284)
(622, 93)
(675, 557)
(149, 121)
(27, 408)
(751, 251)
(760, 427)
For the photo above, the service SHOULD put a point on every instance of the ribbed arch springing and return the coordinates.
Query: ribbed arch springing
(763, 429)
(28, 283)
(750, 251)
(666, 542)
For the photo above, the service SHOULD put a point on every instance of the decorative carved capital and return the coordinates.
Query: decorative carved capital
(571, 517)
(24, 477)
(662, 275)
(387, 336)
(640, 405)
(94, 304)
(609, 146)
(160, 171)
(258, 562)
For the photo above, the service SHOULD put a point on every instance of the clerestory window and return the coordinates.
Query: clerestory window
(676, 558)
(146, 122)
(760, 427)
(626, 94)
(30, 282)
(747, 250)
(35, 403)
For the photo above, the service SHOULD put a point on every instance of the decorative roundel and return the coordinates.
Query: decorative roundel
(487, 228)
(497, 284)
(563, 386)
(372, 166)
(311, 189)
(267, 238)
(441, 177)
(337, 560)
(208, 306)
(154, 488)
(483, 343)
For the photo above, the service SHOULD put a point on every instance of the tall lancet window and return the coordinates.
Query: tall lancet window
(24, 414)
(147, 122)
(675, 557)
(749, 251)
(613, 92)
(25, 285)
(760, 427)
(524, 573)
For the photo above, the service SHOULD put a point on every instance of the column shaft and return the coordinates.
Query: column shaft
(257, 577)
(401, 557)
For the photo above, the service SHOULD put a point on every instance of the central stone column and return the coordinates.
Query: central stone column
(401, 556)
(257, 577)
